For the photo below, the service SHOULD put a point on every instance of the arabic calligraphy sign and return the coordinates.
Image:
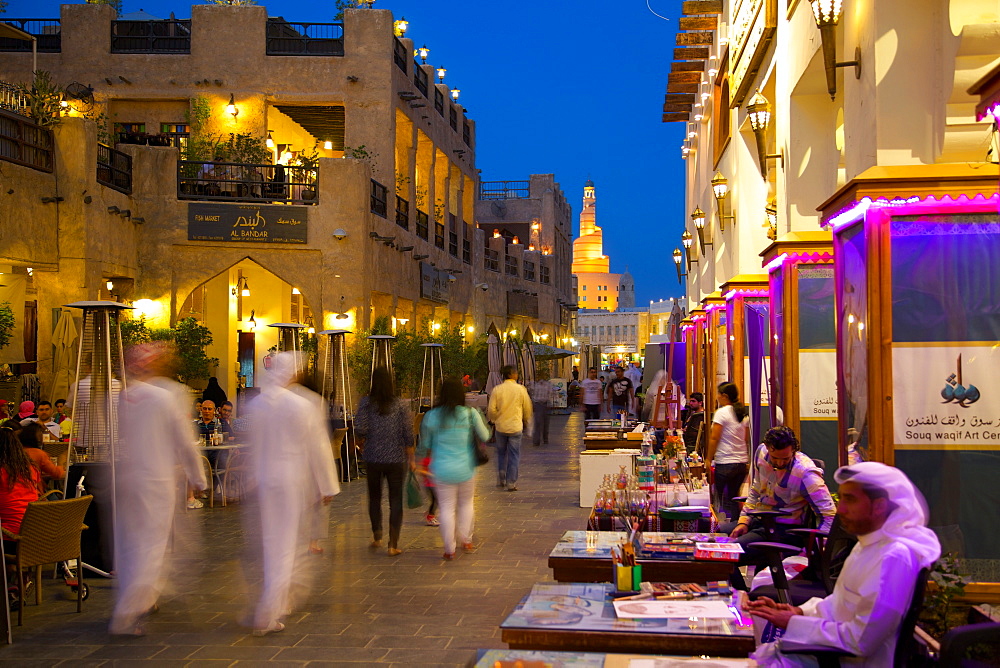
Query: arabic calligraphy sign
(248, 222)
(945, 396)
(754, 24)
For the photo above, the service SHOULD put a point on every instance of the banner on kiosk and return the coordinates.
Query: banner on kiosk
(946, 397)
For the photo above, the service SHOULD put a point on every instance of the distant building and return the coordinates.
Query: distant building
(665, 318)
(613, 337)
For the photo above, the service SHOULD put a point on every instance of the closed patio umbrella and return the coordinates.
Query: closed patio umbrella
(64, 358)
(511, 354)
(493, 357)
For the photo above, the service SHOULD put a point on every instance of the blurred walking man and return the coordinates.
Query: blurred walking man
(510, 410)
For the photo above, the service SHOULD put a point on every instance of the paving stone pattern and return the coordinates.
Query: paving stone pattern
(364, 607)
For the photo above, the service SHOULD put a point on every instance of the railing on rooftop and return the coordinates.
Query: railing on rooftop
(503, 189)
(12, 98)
(420, 78)
(379, 200)
(154, 36)
(114, 169)
(304, 39)
(492, 260)
(242, 182)
(46, 32)
(399, 54)
(24, 143)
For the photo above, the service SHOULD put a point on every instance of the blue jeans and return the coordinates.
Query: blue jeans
(508, 456)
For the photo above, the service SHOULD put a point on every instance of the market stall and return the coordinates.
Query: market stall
(803, 341)
(747, 327)
(917, 275)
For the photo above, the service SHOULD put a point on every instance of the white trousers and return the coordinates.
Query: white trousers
(455, 500)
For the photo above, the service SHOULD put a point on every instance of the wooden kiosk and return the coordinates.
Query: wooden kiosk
(746, 302)
(803, 349)
(715, 361)
(917, 279)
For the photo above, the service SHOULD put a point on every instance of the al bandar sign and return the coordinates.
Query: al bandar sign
(248, 222)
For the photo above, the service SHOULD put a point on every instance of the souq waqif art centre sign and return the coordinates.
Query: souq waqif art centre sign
(248, 222)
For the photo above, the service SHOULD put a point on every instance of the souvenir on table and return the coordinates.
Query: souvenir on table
(718, 552)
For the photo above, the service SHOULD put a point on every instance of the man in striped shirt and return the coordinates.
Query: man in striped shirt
(784, 479)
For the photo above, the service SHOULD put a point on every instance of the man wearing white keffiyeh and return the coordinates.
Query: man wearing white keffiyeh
(885, 511)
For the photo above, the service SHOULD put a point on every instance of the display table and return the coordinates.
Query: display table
(597, 443)
(508, 658)
(581, 617)
(585, 556)
(594, 465)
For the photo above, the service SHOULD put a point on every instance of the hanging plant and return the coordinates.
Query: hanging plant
(7, 323)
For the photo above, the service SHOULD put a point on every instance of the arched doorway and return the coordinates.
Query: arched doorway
(237, 305)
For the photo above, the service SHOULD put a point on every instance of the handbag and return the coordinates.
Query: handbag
(414, 495)
(479, 453)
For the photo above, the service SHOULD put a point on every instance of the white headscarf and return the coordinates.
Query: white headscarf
(907, 523)
(284, 368)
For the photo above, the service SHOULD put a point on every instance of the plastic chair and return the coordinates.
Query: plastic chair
(905, 642)
(50, 533)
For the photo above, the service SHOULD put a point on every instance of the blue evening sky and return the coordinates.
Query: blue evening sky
(570, 87)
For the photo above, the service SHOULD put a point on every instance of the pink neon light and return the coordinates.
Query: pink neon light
(714, 307)
(851, 214)
(797, 258)
(993, 109)
(776, 263)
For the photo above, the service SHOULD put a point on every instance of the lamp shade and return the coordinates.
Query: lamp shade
(440, 73)
(423, 52)
(720, 186)
(759, 112)
(686, 239)
(826, 12)
(678, 256)
(698, 216)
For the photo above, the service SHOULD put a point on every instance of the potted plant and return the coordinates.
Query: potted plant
(309, 161)
(7, 323)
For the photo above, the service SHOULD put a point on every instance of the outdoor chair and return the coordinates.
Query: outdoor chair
(210, 477)
(234, 480)
(50, 533)
(958, 641)
(829, 657)
(337, 443)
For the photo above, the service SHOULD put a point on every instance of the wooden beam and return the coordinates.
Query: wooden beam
(691, 53)
(698, 23)
(670, 106)
(679, 98)
(687, 66)
(701, 7)
(674, 118)
(694, 38)
(682, 88)
(684, 77)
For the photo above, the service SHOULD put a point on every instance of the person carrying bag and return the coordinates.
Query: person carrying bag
(448, 433)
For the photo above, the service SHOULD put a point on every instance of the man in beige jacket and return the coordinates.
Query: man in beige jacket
(510, 410)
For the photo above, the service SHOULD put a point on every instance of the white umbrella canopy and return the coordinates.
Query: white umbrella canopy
(541, 351)
(64, 359)
(511, 354)
(493, 357)
(527, 363)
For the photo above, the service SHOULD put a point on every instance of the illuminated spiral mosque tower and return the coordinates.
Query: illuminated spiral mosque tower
(597, 287)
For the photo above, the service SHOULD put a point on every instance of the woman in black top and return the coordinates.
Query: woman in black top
(213, 392)
(386, 425)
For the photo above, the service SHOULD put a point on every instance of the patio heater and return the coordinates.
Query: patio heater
(288, 341)
(336, 389)
(430, 377)
(381, 353)
(99, 380)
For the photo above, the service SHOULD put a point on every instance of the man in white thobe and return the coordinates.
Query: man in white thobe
(293, 469)
(155, 455)
(885, 511)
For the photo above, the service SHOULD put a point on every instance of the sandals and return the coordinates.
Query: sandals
(276, 627)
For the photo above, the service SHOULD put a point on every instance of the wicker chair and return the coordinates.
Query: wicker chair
(50, 533)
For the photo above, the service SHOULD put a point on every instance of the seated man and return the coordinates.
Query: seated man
(885, 511)
(43, 416)
(226, 419)
(784, 479)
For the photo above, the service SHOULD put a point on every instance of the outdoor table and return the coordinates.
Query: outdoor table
(491, 658)
(581, 618)
(219, 467)
(585, 556)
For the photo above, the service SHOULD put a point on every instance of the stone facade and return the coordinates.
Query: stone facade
(401, 134)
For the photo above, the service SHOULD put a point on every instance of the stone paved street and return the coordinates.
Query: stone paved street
(366, 608)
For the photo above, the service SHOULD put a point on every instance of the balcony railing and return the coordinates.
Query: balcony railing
(543, 273)
(503, 189)
(510, 265)
(439, 100)
(467, 134)
(155, 36)
(379, 203)
(420, 78)
(453, 118)
(421, 224)
(399, 54)
(12, 98)
(529, 271)
(492, 260)
(304, 39)
(453, 244)
(46, 32)
(114, 169)
(402, 213)
(439, 235)
(466, 251)
(241, 182)
(24, 143)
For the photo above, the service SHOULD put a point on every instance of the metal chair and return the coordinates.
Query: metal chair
(50, 533)
(235, 477)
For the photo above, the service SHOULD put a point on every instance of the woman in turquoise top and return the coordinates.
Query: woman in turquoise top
(447, 433)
